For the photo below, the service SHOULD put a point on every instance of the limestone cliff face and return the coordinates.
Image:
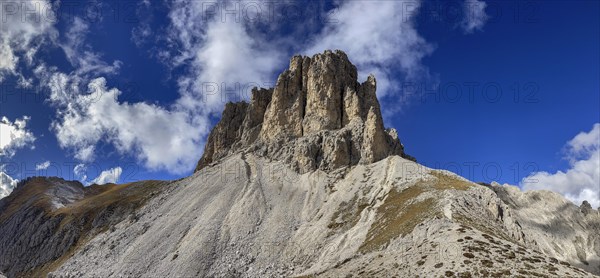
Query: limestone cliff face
(318, 116)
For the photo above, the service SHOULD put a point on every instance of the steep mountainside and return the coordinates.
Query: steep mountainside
(303, 180)
(251, 217)
(45, 219)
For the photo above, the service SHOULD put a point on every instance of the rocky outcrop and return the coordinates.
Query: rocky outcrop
(316, 117)
(586, 208)
(225, 133)
(554, 225)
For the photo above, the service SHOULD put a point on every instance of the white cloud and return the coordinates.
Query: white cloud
(141, 33)
(217, 51)
(8, 61)
(81, 55)
(89, 113)
(159, 138)
(378, 36)
(7, 184)
(582, 180)
(80, 171)
(584, 143)
(14, 135)
(162, 138)
(42, 166)
(108, 176)
(25, 25)
(474, 16)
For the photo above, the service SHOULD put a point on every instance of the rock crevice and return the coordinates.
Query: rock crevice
(318, 116)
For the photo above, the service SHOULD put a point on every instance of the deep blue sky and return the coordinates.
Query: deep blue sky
(548, 56)
(558, 52)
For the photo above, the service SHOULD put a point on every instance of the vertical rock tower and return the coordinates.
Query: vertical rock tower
(318, 116)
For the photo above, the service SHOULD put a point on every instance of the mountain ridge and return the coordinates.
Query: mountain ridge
(286, 188)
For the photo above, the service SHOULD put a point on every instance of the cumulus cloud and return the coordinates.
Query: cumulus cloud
(108, 176)
(7, 184)
(230, 62)
(26, 25)
(378, 36)
(14, 135)
(583, 144)
(221, 54)
(89, 113)
(159, 138)
(221, 60)
(218, 51)
(474, 16)
(42, 166)
(582, 180)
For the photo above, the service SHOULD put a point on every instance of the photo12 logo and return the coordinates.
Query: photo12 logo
(266, 12)
(224, 92)
(27, 11)
(490, 170)
(455, 12)
(43, 11)
(471, 92)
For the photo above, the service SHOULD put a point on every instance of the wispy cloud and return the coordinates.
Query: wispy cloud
(582, 180)
(80, 171)
(81, 55)
(26, 25)
(232, 50)
(474, 16)
(88, 113)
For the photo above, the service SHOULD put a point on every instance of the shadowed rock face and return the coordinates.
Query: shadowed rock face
(44, 219)
(29, 236)
(317, 117)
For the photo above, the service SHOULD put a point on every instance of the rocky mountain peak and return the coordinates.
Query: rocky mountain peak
(318, 116)
(586, 208)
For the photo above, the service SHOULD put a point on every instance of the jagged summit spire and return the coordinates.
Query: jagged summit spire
(318, 116)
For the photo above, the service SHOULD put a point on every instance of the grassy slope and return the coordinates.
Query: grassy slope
(401, 212)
